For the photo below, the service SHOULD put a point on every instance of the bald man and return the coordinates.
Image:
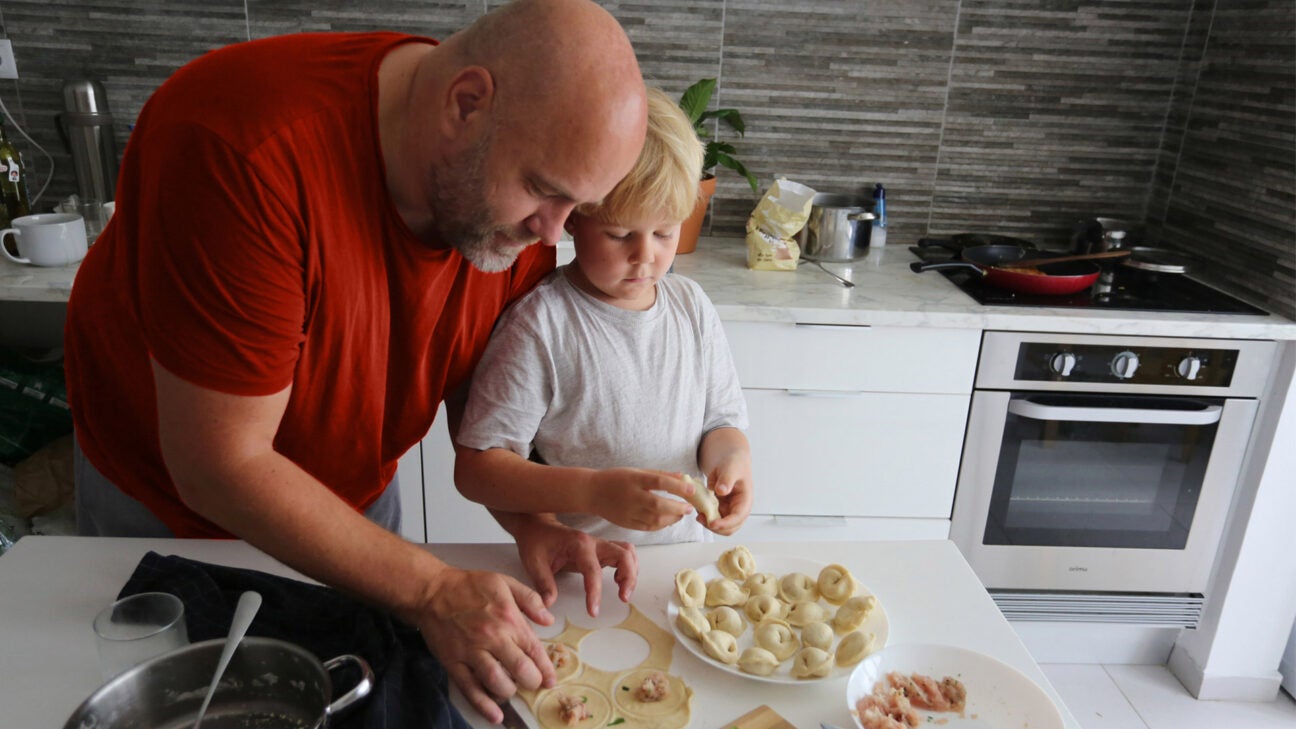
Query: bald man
(313, 237)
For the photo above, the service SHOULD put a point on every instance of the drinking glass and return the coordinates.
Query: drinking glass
(137, 628)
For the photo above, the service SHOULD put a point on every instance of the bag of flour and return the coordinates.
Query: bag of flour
(779, 216)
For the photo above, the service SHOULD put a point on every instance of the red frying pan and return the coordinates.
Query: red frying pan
(1055, 279)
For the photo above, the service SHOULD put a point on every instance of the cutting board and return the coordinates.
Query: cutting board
(762, 717)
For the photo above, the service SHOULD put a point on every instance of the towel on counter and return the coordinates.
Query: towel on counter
(411, 688)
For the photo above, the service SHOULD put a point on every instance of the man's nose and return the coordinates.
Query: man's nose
(547, 223)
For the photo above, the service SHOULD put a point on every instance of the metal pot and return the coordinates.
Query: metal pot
(1097, 235)
(838, 229)
(269, 684)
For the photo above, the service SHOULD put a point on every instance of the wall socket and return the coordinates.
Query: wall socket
(8, 67)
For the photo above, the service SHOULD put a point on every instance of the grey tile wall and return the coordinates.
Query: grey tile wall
(1007, 116)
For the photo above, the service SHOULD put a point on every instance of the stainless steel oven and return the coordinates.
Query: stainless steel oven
(1098, 471)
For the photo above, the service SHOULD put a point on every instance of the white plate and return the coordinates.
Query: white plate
(875, 623)
(998, 695)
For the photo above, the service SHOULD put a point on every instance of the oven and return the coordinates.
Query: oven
(1098, 471)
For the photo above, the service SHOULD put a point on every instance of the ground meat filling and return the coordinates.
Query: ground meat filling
(655, 687)
(572, 710)
(895, 702)
(559, 655)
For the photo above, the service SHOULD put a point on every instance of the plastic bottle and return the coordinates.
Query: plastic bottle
(878, 237)
(13, 181)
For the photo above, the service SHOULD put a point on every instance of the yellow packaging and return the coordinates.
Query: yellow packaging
(780, 215)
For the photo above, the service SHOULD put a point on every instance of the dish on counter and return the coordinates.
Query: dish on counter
(998, 695)
(876, 622)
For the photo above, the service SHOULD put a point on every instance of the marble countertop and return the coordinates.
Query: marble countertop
(886, 293)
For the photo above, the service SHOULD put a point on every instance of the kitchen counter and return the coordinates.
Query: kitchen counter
(886, 293)
(52, 587)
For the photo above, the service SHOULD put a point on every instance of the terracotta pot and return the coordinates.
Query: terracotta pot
(692, 227)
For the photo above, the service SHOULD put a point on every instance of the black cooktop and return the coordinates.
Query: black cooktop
(1118, 288)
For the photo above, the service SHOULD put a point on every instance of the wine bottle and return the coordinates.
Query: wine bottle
(13, 180)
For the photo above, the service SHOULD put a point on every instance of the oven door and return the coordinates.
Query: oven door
(1097, 492)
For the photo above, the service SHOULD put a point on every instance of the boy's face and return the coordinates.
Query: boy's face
(620, 263)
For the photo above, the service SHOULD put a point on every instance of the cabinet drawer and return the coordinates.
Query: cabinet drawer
(831, 357)
(855, 454)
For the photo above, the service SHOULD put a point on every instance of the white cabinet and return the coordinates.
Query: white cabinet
(448, 515)
(856, 432)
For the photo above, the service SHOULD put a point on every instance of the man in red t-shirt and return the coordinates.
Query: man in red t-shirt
(313, 237)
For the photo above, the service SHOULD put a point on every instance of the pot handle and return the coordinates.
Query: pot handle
(359, 691)
(919, 266)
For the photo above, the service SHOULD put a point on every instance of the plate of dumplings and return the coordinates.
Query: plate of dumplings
(777, 619)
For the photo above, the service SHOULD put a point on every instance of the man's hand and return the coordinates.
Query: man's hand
(476, 624)
(547, 548)
(628, 497)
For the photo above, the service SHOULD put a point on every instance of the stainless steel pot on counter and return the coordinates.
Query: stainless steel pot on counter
(838, 229)
(269, 684)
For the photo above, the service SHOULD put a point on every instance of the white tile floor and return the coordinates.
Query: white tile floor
(1150, 697)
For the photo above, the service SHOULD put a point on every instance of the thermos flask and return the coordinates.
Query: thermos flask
(86, 124)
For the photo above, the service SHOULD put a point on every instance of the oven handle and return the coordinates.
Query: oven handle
(1027, 409)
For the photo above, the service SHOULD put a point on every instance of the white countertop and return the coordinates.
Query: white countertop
(52, 587)
(886, 293)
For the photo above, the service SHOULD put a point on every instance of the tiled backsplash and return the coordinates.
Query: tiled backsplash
(1006, 116)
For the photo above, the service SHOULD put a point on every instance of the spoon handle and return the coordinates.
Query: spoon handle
(248, 604)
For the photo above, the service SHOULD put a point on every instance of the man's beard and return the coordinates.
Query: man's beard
(463, 216)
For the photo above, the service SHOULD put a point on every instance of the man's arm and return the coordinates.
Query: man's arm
(219, 450)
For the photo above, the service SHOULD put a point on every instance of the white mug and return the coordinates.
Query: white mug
(48, 239)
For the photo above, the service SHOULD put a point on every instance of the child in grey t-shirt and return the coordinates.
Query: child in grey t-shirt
(613, 377)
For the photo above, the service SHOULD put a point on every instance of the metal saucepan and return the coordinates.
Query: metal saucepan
(269, 684)
(1054, 279)
(839, 228)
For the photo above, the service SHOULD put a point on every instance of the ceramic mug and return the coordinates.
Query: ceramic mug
(48, 239)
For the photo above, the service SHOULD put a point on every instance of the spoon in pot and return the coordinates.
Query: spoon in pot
(248, 604)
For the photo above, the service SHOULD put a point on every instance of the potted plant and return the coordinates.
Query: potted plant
(694, 102)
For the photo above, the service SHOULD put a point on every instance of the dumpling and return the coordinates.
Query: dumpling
(692, 622)
(798, 587)
(758, 661)
(817, 635)
(704, 499)
(811, 663)
(851, 615)
(776, 637)
(724, 591)
(721, 646)
(761, 583)
(836, 584)
(727, 619)
(690, 588)
(804, 613)
(854, 647)
(759, 607)
(737, 563)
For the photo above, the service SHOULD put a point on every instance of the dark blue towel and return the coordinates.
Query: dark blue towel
(411, 691)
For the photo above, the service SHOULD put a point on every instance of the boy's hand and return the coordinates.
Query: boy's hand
(624, 496)
(731, 479)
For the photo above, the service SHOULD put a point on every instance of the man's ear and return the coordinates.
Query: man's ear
(469, 99)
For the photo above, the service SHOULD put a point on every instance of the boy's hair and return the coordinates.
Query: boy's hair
(665, 177)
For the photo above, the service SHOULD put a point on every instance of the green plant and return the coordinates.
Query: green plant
(694, 102)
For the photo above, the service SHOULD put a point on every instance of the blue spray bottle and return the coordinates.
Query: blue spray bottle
(878, 237)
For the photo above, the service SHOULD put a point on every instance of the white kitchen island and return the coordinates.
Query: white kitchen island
(52, 587)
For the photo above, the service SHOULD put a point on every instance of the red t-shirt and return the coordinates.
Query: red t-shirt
(254, 246)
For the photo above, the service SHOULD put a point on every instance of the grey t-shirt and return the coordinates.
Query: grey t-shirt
(587, 384)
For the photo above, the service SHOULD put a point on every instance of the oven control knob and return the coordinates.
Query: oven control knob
(1125, 364)
(1062, 363)
(1189, 367)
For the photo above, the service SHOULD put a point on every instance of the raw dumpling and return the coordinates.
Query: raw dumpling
(798, 587)
(724, 591)
(727, 619)
(804, 613)
(836, 584)
(692, 622)
(811, 663)
(852, 614)
(737, 563)
(704, 499)
(854, 647)
(761, 583)
(759, 607)
(817, 635)
(690, 588)
(776, 637)
(721, 646)
(757, 661)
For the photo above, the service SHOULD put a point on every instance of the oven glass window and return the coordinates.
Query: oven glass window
(1100, 470)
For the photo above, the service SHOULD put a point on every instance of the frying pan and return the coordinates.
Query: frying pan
(1055, 279)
